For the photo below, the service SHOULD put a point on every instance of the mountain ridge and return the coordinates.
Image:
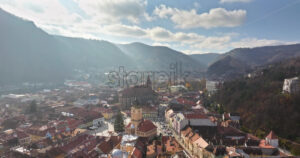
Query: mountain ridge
(249, 58)
(207, 58)
(29, 54)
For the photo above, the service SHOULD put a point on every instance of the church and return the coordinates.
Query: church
(138, 126)
(143, 93)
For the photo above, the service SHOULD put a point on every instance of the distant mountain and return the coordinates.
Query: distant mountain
(159, 57)
(28, 54)
(239, 60)
(205, 59)
(94, 55)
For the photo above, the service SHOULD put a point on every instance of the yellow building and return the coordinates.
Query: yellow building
(107, 114)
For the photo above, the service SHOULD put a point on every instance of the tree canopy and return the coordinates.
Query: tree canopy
(119, 123)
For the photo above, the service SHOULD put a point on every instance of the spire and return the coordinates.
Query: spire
(136, 103)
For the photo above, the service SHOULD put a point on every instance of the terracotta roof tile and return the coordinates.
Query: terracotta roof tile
(146, 125)
(272, 135)
(195, 137)
(108, 145)
(195, 116)
(136, 153)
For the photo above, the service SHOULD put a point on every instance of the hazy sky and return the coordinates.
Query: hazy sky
(191, 26)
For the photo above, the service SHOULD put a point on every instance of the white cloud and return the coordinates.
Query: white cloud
(71, 31)
(235, 1)
(217, 17)
(108, 11)
(163, 35)
(194, 52)
(213, 43)
(125, 30)
(197, 5)
(161, 44)
(254, 42)
(41, 11)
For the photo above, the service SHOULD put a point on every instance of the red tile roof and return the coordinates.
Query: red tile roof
(195, 116)
(73, 123)
(145, 126)
(22, 135)
(272, 135)
(136, 153)
(171, 144)
(87, 115)
(108, 145)
(76, 142)
(263, 144)
(105, 147)
(186, 101)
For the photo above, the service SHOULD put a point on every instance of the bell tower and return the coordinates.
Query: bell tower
(136, 114)
(149, 83)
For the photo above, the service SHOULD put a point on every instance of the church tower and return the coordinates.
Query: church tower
(149, 83)
(136, 114)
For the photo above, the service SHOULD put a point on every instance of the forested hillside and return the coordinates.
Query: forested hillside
(261, 103)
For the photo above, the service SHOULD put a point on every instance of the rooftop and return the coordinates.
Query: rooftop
(145, 126)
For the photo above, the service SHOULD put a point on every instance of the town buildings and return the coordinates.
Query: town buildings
(60, 128)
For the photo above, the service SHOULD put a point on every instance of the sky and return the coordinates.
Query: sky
(189, 26)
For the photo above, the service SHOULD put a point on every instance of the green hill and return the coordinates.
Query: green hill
(261, 103)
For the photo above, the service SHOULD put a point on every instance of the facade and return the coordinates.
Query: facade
(98, 122)
(168, 114)
(195, 143)
(179, 122)
(211, 86)
(107, 114)
(150, 113)
(291, 85)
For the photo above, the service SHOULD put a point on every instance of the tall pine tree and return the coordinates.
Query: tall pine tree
(119, 123)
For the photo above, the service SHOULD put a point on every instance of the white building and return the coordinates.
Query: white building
(291, 85)
(272, 139)
(127, 142)
(98, 121)
(211, 86)
(80, 102)
(199, 120)
(177, 88)
(179, 122)
(168, 114)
